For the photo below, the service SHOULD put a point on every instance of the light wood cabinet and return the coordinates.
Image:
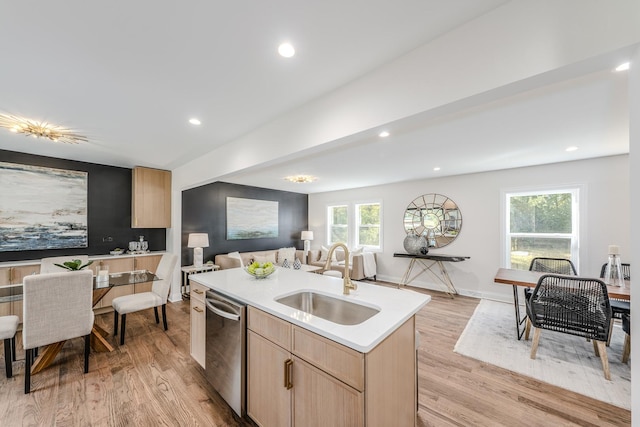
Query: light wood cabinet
(10, 278)
(198, 323)
(268, 398)
(298, 378)
(149, 263)
(151, 193)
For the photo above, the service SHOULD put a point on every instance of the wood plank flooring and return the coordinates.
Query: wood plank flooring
(152, 381)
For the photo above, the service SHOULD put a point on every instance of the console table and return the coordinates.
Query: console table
(426, 263)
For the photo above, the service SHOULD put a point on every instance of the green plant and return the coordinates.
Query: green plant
(74, 265)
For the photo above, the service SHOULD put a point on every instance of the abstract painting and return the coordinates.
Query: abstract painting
(42, 208)
(251, 219)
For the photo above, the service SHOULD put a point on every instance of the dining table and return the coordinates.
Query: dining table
(529, 279)
(98, 334)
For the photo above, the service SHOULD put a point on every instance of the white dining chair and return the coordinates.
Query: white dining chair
(57, 307)
(8, 328)
(157, 297)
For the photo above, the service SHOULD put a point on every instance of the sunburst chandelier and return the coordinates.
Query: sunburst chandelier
(300, 179)
(37, 129)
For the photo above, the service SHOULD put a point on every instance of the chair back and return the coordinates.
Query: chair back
(48, 265)
(626, 271)
(165, 273)
(574, 305)
(553, 266)
(57, 307)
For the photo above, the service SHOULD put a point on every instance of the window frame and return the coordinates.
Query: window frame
(330, 224)
(358, 224)
(353, 224)
(578, 214)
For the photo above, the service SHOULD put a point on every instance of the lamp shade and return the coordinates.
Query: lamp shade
(307, 235)
(198, 240)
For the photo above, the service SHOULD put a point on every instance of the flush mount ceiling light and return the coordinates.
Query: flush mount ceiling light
(300, 179)
(194, 121)
(623, 67)
(286, 50)
(572, 148)
(384, 134)
(37, 129)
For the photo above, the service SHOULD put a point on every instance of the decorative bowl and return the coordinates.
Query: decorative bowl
(117, 252)
(260, 270)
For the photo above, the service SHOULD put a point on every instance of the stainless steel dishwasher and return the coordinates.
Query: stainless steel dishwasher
(225, 361)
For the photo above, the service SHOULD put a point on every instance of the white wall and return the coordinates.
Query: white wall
(606, 185)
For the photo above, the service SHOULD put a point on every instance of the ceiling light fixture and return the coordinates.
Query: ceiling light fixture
(286, 50)
(37, 129)
(623, 67)
(300, 179)
(572, 148)
(384, 134)
(194, 121)
(436, 169)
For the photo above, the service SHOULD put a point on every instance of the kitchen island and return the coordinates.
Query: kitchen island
(306, 370)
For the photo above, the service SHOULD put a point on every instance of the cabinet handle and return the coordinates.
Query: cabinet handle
(198, 309)
(11, 275)
(288, 374)
(197, 291)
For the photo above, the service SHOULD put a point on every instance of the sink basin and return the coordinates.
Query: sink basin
(329, 308)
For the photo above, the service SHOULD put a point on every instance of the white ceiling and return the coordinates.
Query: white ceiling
(130, 74)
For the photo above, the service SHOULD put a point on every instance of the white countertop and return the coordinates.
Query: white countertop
(91, 258)
(396, 305)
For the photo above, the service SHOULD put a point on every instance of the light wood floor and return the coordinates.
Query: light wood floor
(152, 381)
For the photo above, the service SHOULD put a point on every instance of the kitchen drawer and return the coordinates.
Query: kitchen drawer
(198, 291)
(342, 362)
(276, 330)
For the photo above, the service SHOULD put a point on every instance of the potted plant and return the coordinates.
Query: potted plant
(74, 265)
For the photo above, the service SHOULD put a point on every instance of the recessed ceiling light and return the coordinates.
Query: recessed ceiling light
(286, 50)
(623, 67)
(572, 148)
(194, 121)
(384, 134)
(300, 179)
(436, 169)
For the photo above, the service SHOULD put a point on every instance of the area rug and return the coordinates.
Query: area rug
(563, 360)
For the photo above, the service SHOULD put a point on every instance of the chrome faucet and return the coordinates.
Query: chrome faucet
(347, 284)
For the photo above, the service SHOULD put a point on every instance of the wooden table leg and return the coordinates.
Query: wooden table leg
(98, 339)
(46, 357)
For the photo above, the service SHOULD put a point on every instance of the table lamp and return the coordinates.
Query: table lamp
(307, 236)
(197, 241)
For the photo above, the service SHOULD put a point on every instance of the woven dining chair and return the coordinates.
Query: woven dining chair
(552, 266)
(571, 305)
(626, 327)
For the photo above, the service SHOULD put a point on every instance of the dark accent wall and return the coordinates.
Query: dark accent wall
(204, 210)
(109, 209)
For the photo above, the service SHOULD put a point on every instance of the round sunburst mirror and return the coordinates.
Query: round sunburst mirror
(431, 221)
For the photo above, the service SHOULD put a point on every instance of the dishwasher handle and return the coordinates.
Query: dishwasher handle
(211, 305)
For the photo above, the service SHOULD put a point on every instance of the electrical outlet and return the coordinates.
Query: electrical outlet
(107, 239)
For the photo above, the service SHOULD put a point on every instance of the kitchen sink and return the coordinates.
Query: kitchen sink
(329, 308)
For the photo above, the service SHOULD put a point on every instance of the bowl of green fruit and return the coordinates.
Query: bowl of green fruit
(260, 270)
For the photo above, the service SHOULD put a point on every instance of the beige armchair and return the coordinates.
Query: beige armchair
(157, 297)
(8, 328)
(57, 307)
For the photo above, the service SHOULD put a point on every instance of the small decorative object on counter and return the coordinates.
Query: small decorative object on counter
(285, 263)
(297, 264)
(74, 265)
(260, 270)
(117, 251)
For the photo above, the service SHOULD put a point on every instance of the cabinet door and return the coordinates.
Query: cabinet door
(151, 204)
(149, 263)
(115, 265)
(198, 325)
(17, 275)
(321, 400)
(268, 400)
(6, 291)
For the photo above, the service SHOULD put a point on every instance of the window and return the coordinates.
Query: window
(338, 224)
(368, 225)
(356, 225)
(541, 224)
